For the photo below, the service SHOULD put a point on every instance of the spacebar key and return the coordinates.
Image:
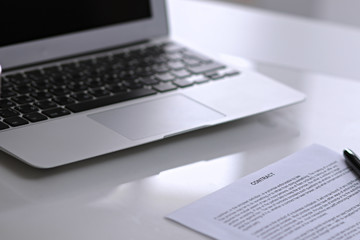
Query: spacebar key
(104, 101)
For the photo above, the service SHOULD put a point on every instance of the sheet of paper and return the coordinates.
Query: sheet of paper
(311, 194)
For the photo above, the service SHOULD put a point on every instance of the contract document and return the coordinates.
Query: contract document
(309, 195)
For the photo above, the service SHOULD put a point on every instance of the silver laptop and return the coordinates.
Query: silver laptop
(81, 80)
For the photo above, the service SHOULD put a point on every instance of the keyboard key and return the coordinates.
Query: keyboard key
(5, 113)
(6, 93)
(165, 77)
(192, 62)
(161, 68)
(116, 88)
(46, 104)
(6, 104)
(133, 85)
(26, 108)
(228, 72)
(3, 126)
(149, 81)
(198, 79)
(41, 84)
(63, 100)
(34, 74)
(94, 83)
(41, 95)
(205, 67)
(164, 87)
(58, 81)
(181, 73)
(176, 65)
(17, 79)
(56, 112)
(77, 86)
(174, 56)
(35, 117)
(99, 92)
(59, 91)
(100, 102)
(183, 83)
(22, 99)
(232, 73)
(215, 75)
(81, 96)
(23, 89)
(15, 121)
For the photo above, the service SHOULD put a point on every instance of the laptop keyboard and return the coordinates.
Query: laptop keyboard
(74, 86)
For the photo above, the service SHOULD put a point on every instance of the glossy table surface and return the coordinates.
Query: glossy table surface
(125, 195)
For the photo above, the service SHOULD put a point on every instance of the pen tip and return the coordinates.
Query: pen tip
(349, 154)
(347, 151)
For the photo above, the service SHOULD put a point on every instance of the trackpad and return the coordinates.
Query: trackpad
(161, 116)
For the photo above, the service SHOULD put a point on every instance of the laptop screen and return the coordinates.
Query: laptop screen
(32, 20)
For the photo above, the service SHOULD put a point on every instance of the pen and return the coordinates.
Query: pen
(352, 160)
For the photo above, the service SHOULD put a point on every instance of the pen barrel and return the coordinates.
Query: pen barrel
(352, 160)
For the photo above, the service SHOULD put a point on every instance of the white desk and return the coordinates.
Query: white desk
(123, 196)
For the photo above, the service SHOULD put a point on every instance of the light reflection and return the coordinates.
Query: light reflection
(182, 184)
(217, 173)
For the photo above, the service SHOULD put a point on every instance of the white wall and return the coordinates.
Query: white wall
(340, 11)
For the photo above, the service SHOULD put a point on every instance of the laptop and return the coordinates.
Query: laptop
(84, 79)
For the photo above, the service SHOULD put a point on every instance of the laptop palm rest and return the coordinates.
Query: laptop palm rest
(161, 116)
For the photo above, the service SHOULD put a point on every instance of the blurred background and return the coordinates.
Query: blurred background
(339, 11)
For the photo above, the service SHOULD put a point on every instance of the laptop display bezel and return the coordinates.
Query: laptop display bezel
(43, 50)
